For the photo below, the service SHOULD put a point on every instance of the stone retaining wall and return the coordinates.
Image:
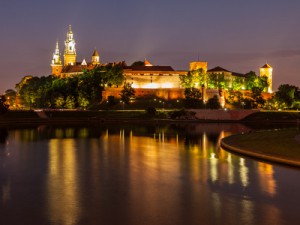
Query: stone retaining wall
(230, 115)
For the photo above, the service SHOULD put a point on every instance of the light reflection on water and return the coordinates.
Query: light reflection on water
(139, 175)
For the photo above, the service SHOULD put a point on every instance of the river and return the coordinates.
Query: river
(139, 174)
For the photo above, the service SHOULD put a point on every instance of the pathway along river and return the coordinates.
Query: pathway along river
(135, 175)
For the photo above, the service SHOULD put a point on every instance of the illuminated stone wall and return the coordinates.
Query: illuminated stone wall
(198, 65)
(153, 81)
(165, 93)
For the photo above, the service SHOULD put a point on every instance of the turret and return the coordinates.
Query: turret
(95, 58)
(70, 51)
(267, 70)
(198, 65)
(56, 62)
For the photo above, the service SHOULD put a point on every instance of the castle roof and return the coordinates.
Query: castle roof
(149, 68)
(95, 53)
(217, 69)
(266, 66)
(78, 68)
(147, 63)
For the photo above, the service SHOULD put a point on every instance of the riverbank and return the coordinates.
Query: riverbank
(279, 146)
(60, 117)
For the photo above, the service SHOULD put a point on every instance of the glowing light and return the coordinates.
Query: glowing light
(135, 85)
(151, 86)
(167, 85)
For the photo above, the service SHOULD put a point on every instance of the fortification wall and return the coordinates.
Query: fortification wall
(207, 114)
(165, 93)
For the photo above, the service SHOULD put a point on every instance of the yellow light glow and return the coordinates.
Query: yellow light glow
(135, 85)
(167, 85)
(151, 86)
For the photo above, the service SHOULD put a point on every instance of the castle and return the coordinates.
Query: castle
(147, 79)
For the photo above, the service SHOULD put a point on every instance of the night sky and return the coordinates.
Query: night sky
(237, 35)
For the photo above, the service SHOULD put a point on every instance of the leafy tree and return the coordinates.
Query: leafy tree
(252, 80)
(216, 81)
(193, 98)
(213, 103)
(256, 95)
(238, 83)
(127, 93)
(194, 78)
(59, 101)
(286, 95)
(187, 81)
(70, 102)
(83, 101)
(3, 105)
(138, 63)
(10, 95)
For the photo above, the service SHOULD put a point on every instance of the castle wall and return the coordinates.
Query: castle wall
(165, 93)
(155, 80)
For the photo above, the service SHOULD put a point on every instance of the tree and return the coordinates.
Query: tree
(237, 83)
(193, 98)
(59, 102)
(216, 81)
(213, 103)
(3, 105)
(252, 80)
(286, 95)
(256, 95)
(70, 102)
(138, 63)
(127, 93)
(193, 79)
(10, 95)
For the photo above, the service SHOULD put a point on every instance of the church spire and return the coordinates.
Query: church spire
(95, 58)
(56, 64)
(70, 50)
(56, 60)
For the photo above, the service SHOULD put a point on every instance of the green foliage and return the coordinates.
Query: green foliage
(216, 81)
(238, 83)
(84, 90)
(10, 96)
(138, 63)
(213, 103)
(127, 93)
(3, 105)
(257, 98)
(252, 81)
(70, 102)
(287, 95)
(194, 78)
(193, 98)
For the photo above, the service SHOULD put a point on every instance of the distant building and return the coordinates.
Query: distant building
(147, 79)
(267, 70)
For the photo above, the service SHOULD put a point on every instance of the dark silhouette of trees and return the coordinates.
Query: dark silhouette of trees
(127, 93)
(84, 90)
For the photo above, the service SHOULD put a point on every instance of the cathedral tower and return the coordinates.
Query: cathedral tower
(70, 51)
(267, 70)
(56, 62)
(95, 58)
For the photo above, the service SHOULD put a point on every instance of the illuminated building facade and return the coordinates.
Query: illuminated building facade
(267, 70)
(146, 79)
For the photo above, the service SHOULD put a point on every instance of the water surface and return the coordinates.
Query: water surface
(129, 174)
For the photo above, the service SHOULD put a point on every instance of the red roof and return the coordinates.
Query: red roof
(266, 66)
(148, 68)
